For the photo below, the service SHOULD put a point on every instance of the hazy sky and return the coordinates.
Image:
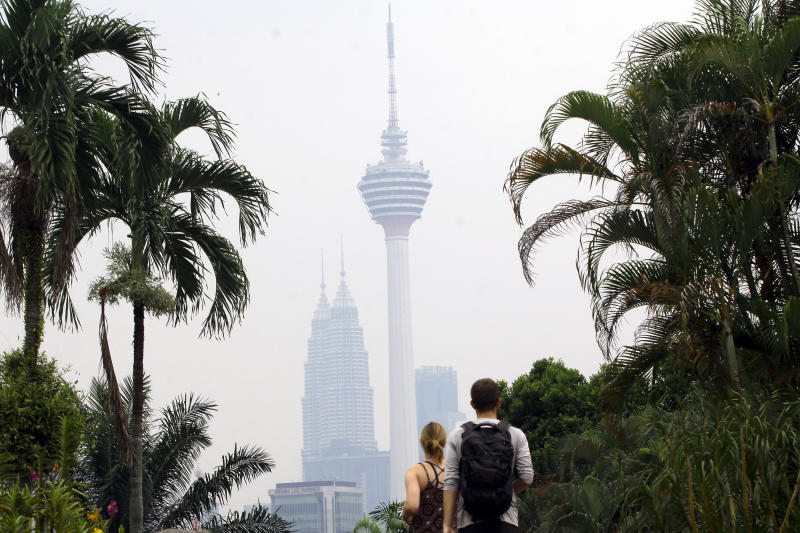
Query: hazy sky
(305, 81)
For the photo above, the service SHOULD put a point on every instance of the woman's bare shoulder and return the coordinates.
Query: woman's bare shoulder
(414, 469)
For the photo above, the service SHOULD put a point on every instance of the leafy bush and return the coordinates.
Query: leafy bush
(50, 505)
(729, 465)
(41, 415)
(175, 436)
(546, 403)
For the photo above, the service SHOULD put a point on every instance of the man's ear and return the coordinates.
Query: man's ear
(472, 404)
(499, 401)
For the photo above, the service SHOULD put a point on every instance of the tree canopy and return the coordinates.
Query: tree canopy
(547, 403)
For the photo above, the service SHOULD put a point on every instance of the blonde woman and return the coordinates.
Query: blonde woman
(424, 509)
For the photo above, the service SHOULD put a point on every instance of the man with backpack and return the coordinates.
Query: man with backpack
(487, 462)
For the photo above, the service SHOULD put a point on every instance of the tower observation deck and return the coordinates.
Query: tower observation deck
(394, 191)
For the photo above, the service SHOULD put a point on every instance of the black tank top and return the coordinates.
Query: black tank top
(430, 516)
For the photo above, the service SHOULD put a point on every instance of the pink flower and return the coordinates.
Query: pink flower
(112, 509)
(34, 475)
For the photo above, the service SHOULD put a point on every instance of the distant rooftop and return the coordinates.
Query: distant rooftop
(322, 483)
(436, 372)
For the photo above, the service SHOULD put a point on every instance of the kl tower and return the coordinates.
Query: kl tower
(395, 191)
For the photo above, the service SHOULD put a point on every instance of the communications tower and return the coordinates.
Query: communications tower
(395, 191)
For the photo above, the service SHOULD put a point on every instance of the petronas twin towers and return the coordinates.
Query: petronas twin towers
(338, 433)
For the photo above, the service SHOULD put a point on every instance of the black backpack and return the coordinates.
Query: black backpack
(486, 469)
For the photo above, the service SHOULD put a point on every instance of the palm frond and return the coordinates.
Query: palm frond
(187, 113)
(537, 163)
(657, 40)
(257, 520)
(365, 525)
(207, 183)
(596, 109)
(132, 43)
(231, 293)
(239, 467)
(557, 221)
(182, 435)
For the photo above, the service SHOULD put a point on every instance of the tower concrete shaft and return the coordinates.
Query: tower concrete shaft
(395, 191)
(402, 397)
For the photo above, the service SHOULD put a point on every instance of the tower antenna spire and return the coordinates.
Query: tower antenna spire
(322, 268)
(341, 242)
(393, 122)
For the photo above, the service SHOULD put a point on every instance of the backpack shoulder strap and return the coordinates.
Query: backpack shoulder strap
(468, 427)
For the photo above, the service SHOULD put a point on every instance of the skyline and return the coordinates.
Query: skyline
(309, 103)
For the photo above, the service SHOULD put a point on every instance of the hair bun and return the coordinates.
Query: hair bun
(432, 445)
(433, 439)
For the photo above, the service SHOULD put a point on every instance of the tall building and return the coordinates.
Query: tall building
(437, 397)
(395, 191)
(319, 506)
(338, 433)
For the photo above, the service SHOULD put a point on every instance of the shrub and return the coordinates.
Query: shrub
(41, 414)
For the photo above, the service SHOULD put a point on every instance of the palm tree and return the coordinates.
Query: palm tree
(692, 141)
(365, 525)
(390, 516)
(629, 153)
(168, 207)
(175, 439)
(48, 96)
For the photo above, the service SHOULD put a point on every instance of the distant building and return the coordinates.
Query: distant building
(319, 506)
(437, 397)
(368, 469)
(338, 426)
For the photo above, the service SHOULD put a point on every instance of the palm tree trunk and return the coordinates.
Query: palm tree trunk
(787, 244)
(136, 497)
(773, 143)
(34, 295)
(115, 404)
(31, 222)
(734, 368)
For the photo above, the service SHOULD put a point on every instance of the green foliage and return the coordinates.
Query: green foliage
(694, 150)
(50, 99)
(49, 505)
(696, 139)
(387, 517)
(710, 466)
(171, 202)
(546, 403)
(41, 414)
(390, 515)
(257, 520)
(365, 525)
(174, 439)
(125, 281)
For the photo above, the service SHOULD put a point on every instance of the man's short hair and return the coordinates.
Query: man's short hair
(484, 394)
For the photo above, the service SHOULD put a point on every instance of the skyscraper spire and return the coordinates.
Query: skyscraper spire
(323, 311)
(343, 297)
(322, 268)
(341, 244)
(393, 139)
(393, 124)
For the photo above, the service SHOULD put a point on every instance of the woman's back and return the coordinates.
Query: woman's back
(430, 516)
